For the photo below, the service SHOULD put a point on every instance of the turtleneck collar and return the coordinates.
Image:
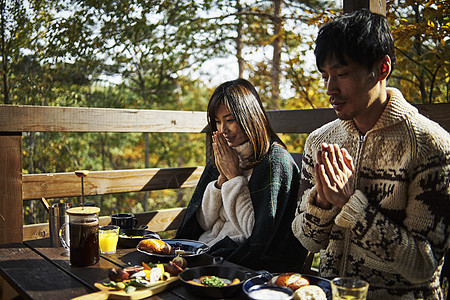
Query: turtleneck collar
(245, 153)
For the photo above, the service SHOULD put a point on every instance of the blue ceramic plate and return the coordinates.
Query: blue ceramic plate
(314, 280)
(186, 248)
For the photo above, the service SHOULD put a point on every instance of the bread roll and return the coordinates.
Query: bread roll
(290, 280)
(155, 246)
(310, 292)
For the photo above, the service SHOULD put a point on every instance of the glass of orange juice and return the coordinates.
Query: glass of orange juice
(108, 236)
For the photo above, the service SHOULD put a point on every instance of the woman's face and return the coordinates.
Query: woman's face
(228, 126)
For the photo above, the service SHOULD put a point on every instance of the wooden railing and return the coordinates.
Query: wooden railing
(16, 187)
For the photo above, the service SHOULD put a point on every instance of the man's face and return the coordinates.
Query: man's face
(351, 89)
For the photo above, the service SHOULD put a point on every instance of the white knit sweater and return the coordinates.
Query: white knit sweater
(228, 211)
(395, 228)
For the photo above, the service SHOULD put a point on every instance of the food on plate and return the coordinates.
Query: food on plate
(131, 278)
(155, 246)
(173, 268)
(152, 275)
(183, 252)
(127, 236)
(129, 285)
(180, 261)
(164, 274)
(213, 281)
(310, 292)
(118, 274)
(133, 269)
(291, 280)
(176, 265)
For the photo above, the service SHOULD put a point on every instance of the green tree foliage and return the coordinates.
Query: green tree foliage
(267, 39)
(146, 55)
(421, 31)
(48, 57)
(18, 31)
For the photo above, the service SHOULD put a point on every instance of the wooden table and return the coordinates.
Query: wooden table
(38, 271)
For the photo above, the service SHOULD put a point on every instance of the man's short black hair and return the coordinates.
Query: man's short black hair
(362, 36)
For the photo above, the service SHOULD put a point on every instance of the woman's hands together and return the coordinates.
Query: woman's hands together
(334, 176)
(226, 158)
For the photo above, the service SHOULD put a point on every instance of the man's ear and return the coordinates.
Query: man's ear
(384, 68)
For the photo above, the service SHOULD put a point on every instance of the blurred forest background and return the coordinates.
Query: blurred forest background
(170, 55)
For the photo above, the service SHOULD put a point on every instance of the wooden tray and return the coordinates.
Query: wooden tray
(141, 293)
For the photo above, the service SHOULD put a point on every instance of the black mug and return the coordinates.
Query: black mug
(124, 221)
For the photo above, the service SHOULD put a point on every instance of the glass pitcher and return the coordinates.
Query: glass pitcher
(83, 236)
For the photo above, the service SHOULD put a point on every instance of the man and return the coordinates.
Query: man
(375, 187)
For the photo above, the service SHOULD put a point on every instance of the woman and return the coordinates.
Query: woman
(246, 198)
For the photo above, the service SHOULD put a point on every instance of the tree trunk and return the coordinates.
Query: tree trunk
(276, 60)
(5, 61)
(417, 47)
(239, 45)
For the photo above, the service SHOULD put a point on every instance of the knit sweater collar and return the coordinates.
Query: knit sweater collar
(396, 111)
(245, 153)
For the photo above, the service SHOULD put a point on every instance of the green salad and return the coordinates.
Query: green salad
(213, 281)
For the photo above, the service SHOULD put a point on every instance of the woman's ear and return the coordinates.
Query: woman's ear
(384, 68)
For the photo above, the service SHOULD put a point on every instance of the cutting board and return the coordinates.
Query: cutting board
(141, 293)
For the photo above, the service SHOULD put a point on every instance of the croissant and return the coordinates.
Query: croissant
(155, 246)
(291, 280)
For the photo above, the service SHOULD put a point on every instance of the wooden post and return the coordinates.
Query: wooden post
(377, 6)
(11, 204)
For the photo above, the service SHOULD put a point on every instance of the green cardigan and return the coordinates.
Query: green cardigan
(273, 189)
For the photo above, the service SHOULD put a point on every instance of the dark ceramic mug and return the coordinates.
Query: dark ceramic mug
(124, 221)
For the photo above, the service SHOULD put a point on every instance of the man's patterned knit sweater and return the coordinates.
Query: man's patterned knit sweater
(394, 230)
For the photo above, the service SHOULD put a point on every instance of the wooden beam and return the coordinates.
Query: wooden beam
(11, 205)
(300, 120)
(73, 119)
(41, 230)
(307, 120)
(162, 220)
(54, 185)
(377, 6)
(157, 221)
(87, 119)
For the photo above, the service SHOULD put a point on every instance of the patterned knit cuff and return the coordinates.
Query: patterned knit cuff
(352, 210)
(324, 215)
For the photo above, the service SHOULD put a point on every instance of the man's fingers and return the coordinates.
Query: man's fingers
(339, 157)
(319, 157)
(336, 159)
(329, 168)
(348, 160)
(319, 181)
(324, 177)
(317, 170)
